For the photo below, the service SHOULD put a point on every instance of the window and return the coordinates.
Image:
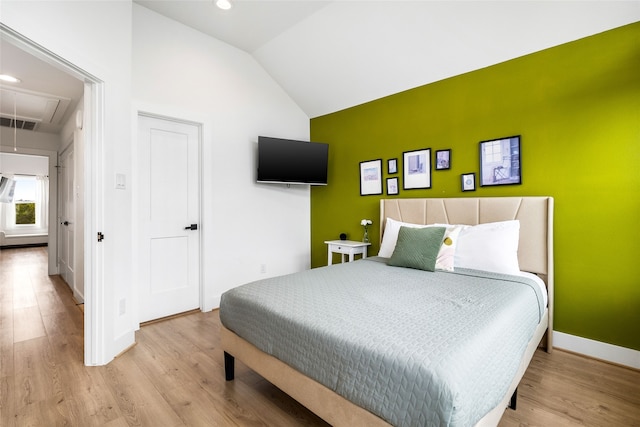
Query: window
(28, 210)
(25, 200)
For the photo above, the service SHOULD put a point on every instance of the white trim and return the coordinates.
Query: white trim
(95, 346)
(597, 349)
(141, 109)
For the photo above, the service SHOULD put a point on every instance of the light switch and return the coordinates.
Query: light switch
(121, 181)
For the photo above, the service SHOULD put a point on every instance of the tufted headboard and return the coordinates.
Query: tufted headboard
(535, 250)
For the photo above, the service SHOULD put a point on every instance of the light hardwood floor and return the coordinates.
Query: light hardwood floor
(174, 375)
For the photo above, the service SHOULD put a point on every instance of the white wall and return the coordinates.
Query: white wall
(244, 225)
(96, 37)
(182, 73)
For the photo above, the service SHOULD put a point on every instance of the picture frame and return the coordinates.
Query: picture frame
(500, 161)
(392, 166)
(443, 159)
(392, 186)
(416, 166)
(371, 177)
(468, 181)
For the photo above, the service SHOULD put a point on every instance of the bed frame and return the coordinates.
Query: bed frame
(535, 255)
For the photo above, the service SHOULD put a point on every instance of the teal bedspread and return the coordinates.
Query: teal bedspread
(416, 348)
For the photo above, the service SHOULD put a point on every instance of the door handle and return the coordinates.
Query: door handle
(191, 227)
(65, 223)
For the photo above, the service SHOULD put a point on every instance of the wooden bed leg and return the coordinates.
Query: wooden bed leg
(229, 366)
(514, 398)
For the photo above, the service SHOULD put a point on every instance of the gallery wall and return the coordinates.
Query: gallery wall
(577, 110)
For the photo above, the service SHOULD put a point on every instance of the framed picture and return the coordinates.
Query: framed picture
(371, 177)
(392, 166)
(443, 159)
(392, 186)
(468, 181)
(416, 169)
(500, 161)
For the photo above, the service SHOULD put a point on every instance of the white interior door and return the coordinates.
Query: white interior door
(66, 222)
(169, 207)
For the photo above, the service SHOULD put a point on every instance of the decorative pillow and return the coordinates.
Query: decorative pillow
(390, 236)
(490, 247)
(445, 260)
(417, 247)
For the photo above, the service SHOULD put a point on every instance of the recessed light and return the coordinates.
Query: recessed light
(224, 4)
(8, 78)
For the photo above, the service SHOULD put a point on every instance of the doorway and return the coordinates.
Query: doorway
(67, 217)
(92, 200)
(168, 206)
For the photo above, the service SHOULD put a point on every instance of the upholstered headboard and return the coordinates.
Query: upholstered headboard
(535, 250)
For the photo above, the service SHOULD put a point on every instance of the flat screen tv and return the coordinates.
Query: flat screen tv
(289, 161)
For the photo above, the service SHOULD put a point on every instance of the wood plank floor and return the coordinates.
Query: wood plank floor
(174, 375)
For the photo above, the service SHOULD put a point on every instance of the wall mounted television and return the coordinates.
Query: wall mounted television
(288, 161)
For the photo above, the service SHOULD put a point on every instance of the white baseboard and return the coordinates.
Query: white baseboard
(598, 350)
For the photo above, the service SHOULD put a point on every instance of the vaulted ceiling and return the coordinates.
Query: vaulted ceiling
(331, 55)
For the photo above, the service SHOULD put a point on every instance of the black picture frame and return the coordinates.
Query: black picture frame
(443, 159)
(468, 181)
(392, 166)
(416, 167)
(371, 177)
(393, 188)
(500, 161)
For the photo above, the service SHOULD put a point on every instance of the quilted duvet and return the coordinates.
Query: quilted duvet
(416, 348)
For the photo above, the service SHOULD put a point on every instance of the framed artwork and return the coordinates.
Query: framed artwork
(392, 166)
(392, 186)
(500, 161)
(416, 169)
(443, 159)
(371, 177)
(468, 181)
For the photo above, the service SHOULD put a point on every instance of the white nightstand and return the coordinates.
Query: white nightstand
(346, 247)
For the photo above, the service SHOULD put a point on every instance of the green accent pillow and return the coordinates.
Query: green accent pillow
(417, 248)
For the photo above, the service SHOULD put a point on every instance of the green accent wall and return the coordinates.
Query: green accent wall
(577, 108)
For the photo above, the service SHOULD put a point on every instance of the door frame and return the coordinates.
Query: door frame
(94, 318)
(148, 112)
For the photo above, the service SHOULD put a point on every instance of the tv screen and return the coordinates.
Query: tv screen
(292, 162)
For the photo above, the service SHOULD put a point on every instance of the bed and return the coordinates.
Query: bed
(381, 346)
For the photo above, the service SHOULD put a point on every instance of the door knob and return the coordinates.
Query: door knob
(65, 223)
(191, 227)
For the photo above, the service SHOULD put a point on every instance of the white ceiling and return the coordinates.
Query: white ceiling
(45, 95)
(331, 55)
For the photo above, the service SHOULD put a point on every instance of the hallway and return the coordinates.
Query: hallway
(34, 305)
(40, 327)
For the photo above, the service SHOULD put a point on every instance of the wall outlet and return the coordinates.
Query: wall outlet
(263, 268)
(123, 306)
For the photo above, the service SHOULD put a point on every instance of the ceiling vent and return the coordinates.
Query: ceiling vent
(8, 122)
(31, 108)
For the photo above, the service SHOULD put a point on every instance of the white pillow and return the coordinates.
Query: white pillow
(445, 259)
(390, 236)
(489, 247)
